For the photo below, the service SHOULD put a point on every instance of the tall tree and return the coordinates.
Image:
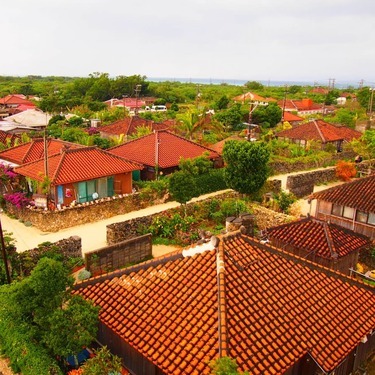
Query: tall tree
(270, 114)
(246, 168)
(41, 309)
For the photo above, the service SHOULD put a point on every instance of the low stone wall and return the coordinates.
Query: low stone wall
(265, 218)
(280, 167)
(128, 229)
(302, 184)
(119, 255)
(69, 247)
(53, 221)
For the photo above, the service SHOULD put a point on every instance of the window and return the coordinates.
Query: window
(361, 217)
(348, 212)
(371, 218)
(337, 210)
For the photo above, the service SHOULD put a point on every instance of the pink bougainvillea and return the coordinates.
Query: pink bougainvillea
(18, 199)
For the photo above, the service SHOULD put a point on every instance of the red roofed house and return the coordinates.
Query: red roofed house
(303, 107)
(129, 125)
(350, 205)
(291, 118)
(162, 151)
(131, 104)
(253, 98)
(273, 312)
(13, 101)
(8, 139)
(321, 131)
(82, 174)
(321, 242)
(34, 150)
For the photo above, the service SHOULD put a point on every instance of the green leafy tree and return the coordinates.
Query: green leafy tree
(222, 103)
(365, 146)
(189, 122)
(254, 85)
(231, 118)
(55, 320)
(270, 114)
(364, 98)
(78, 314)
(182, 187)
(196, 166)
(246, 168)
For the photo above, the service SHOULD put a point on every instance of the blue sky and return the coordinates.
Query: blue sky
(296, 40)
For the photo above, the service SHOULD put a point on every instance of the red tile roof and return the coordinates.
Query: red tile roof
(168, 148)
(291, 117)
(6, 138)
(253, 97)
(359, 194)
(299, 105)
(15, 99)
(324, 239)
(266, 308)
(129, 125)
(34, 150)
(79, 164)
(321, 131)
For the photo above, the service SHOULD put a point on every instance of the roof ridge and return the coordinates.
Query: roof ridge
(301, 260)
(330, 242)
(222, 306)
(175, 255)
(319, 131)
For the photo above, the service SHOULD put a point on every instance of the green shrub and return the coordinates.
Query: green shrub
(284, 200)
(211, 181)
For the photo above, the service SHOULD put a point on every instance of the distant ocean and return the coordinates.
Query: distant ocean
(241, 82)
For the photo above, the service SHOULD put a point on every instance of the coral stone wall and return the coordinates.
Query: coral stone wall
(119, 255)
(303, 184)
(281, 167)
(52, 221)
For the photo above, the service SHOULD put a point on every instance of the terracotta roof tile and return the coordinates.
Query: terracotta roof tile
(278, 308)
(319, 236)
(357, 194)
(7, 138)
(321, 131)
(79, 164)
(34, 150)
(169, 148)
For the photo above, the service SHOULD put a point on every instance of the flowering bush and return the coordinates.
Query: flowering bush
(6, 173)
(18, 199)
(345, 170)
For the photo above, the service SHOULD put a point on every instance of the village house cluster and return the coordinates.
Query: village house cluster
(291, 302)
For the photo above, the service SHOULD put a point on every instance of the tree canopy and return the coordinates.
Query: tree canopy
(246, 168)
(41, 312)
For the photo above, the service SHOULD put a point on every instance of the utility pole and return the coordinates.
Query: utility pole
(371, 101)
(360, 84)
(137, 91)
(284, 102)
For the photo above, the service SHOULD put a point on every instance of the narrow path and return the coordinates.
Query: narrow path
(94, 235)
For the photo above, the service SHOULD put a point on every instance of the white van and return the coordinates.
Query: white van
(158, 108)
